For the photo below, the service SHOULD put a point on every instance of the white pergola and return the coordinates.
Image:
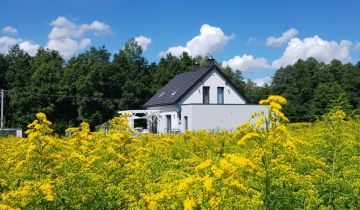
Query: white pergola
(150, 115)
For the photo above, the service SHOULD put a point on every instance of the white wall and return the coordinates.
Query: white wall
(167, 110)
(186, 111)
(213, 80)
(209, 117)
(206, 116)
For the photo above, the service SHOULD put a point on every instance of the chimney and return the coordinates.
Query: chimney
(210, 61)
(196, 66)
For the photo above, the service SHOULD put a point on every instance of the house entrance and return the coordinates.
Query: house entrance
(168, 123)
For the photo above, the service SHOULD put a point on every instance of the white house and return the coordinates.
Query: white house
(200, 99)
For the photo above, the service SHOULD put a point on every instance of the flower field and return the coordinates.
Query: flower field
(268, 164)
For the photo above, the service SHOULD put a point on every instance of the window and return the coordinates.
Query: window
(186, 122)
(206, 95)
(220, 95)
(168, 123)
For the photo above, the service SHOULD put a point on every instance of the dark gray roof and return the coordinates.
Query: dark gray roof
(180, 85)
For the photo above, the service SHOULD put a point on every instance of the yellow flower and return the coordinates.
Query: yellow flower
(49, 197)
(214, 202)
(189, 204)
(46, 188)
(217, 172)
(281, 116)
(244, 126)
(274, 105)
(263, 102)
(208, 183)
(248, 136)
(85, 126)
(241, 161)
(184, 184)
(340, 114)
(6, 207)
(227, 167)
(260, 121)
(72, 130)
(32, 136)
(252, 115)
(235, 183)
(277, 99)
(37, 126)
(41, 116)
(203, 165)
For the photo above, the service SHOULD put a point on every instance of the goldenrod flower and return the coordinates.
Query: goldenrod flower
(248, 136)
(260, 121)
(263, 102)
(208, 183)
(217, 172)
(203, 165)
(41, 116)
(189, 204)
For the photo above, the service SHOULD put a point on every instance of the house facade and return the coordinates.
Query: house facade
(200, 99)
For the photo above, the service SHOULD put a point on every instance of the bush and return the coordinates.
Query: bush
(259, 166)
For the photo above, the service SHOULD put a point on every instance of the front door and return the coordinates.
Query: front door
(154, 124)
(168, 123)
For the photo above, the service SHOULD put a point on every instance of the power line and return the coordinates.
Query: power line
(65, 96)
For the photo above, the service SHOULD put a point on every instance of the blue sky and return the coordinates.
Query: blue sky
(255, 37)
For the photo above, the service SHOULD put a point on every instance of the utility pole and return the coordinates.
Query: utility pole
(2, 109)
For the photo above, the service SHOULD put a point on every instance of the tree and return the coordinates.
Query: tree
(19, 100)
(235, 77)
(87, 81)
(44, 85)
(132, 72)
(350, 82)
(324, 95)
(3, 69)
(297, 83)
(256, 93)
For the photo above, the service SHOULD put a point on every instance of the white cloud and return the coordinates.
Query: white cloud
(315, 47)
(68, 47)
(143, 42)
(8, 42)
(176, 51)
(66, 36)
(262, 81)
(9, 30)
(29, 47)
(246, 63)
(64, 28)
(210, 39)
(286, 36)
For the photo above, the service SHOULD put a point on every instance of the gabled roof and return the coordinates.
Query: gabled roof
(183, 83)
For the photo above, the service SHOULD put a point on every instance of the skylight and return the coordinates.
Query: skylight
(173, 93)
(161, 94)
